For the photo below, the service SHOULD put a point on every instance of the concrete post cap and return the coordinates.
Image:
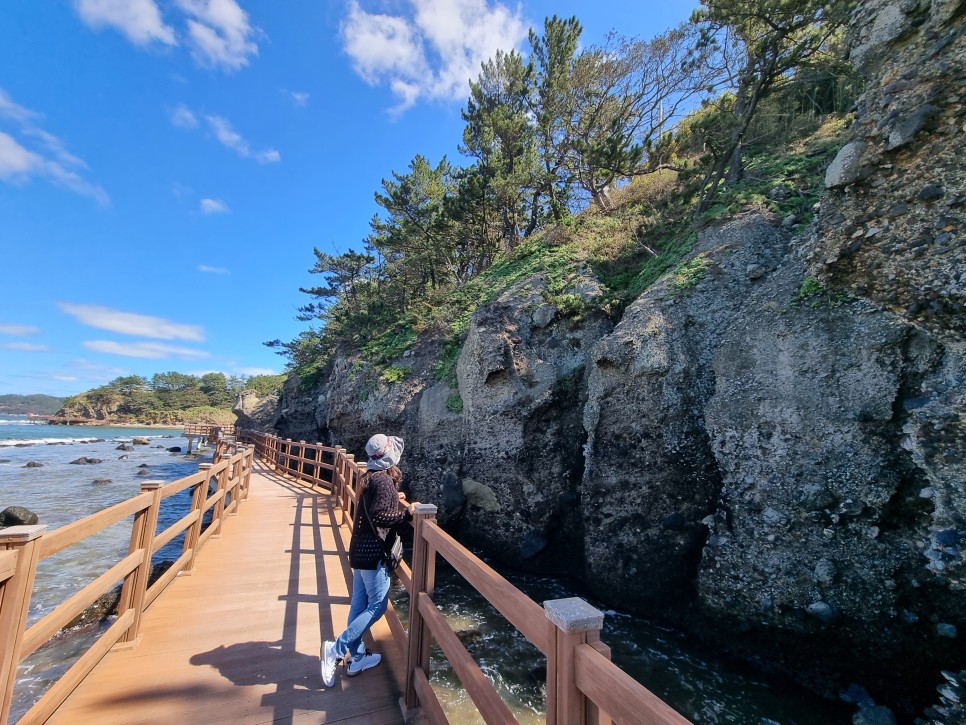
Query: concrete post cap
(573, 614)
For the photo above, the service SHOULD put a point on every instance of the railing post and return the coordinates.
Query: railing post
(338, 481)
(193, 536)
(573, 622)
(424, 571)
(15, 603)
(136, 583)
(354, 477)
(218, 516)
(249, 462)
(301, 462)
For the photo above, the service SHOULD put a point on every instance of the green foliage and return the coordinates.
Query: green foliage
(454, 404)
(811, 293)
(394, 374)
(266, 384)
(601, 127)
(689, 274)
(445, 367)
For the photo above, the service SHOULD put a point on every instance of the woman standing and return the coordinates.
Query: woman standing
(381, 509)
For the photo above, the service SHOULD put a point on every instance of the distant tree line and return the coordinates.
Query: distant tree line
(29, 404)
(163, 396)
(560, 129)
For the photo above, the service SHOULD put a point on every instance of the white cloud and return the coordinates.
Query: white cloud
(18, 164)
(130, 323)
(24, 346)
(230, 138)
(214, 206)
(219, 33)
(14, 111)
(212, 270)
(66, 378)
(150, 350)
(431, 52)
(299, 98)
(181, 191)
(182, 117)
(139, 20)
(8, 328)
(257, 371)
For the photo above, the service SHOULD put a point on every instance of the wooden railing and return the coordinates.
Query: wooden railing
(583, 685)
(208, 430)
(22, 547)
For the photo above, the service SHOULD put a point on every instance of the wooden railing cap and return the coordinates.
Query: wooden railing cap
(425, 509)
(205, 466)
(151, 485)
(573, 614)
(18, 534)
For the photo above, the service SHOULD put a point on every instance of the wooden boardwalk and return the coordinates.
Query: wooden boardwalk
(238, 640)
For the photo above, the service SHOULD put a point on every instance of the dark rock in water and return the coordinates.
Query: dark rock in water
(877, 715)
(122, 458)
(453, 497)
(106, 605)
(17, 516)
(159, 446)
(84, 461)
(101, 481)
(532, 544)
(674, 522)
(4, 460)
(141, 441)
(144, 465)
(144, 472)
(124, 447)
(174, 449)
(33, 464)
(56, 443)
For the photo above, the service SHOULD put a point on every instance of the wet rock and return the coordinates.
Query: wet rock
(17, 516)
(123, 458)
(144, 465)
(125, 447)
(533, 544)
(141, 441)
(4, 460)
(944, 629)
(85, 461)
(875, 715)
(33, 464)
(101, 481)
(822, 611)
(143, 472)
(174, 449)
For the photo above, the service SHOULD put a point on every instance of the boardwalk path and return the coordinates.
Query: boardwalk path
(238, 640)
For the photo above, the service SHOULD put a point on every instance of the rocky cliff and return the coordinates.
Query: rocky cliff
(770, 440)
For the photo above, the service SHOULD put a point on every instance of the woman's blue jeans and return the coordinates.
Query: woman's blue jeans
(370, 598)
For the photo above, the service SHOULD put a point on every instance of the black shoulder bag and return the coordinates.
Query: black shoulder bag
(392, 555)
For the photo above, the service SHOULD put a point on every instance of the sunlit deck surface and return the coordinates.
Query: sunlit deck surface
(238, 640)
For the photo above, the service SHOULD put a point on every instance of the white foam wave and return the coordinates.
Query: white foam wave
(44, 441)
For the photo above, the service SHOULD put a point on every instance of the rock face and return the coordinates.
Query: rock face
(773, 444)
(257, 412)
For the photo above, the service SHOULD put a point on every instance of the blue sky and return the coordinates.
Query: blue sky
(167, 166)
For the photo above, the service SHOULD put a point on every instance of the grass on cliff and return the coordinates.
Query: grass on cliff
(649, 233)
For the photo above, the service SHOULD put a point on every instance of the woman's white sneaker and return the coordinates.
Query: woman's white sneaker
(367, 661)
(328, 659)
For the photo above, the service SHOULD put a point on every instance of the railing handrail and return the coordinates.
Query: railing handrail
(583, 685)
(23, 547)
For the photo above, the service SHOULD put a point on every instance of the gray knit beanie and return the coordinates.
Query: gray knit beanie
(383, 451)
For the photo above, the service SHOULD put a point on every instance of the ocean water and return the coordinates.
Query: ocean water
(60, 492)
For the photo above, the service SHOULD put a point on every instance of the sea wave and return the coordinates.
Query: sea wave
(45, 441)
(22, 421)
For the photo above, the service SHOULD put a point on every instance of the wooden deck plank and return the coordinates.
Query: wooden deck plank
(238, 640)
